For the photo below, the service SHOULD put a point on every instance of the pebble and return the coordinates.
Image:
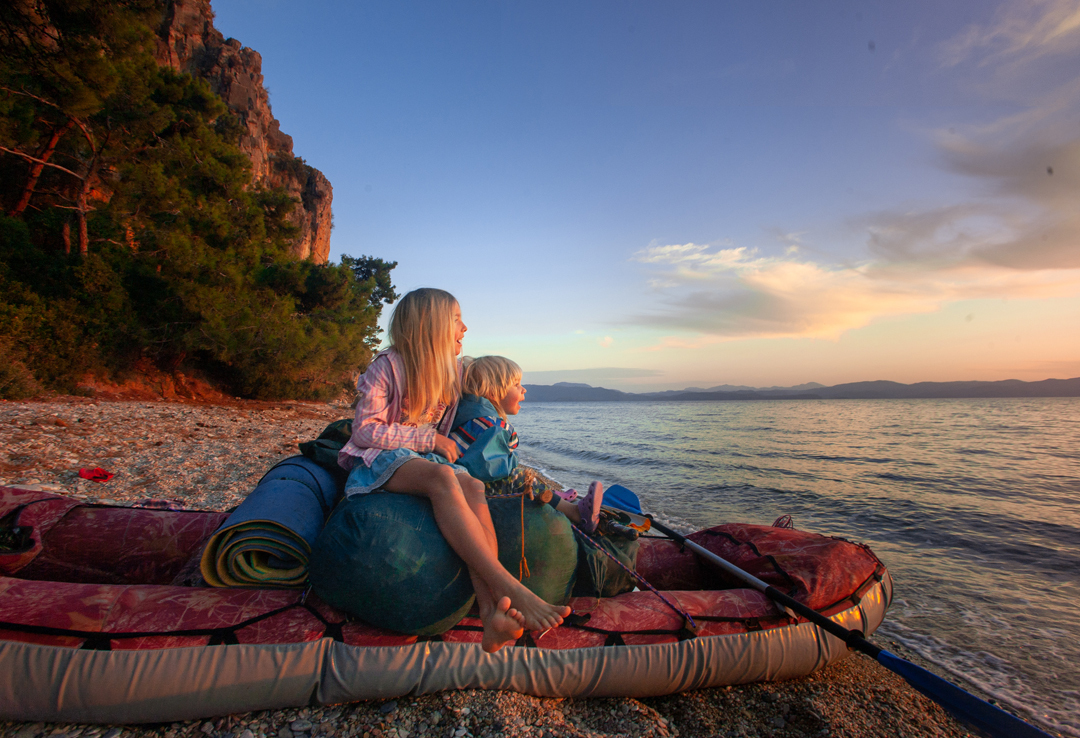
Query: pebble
(285, 733)
(246, 734)
(388, 707)
(300, 726)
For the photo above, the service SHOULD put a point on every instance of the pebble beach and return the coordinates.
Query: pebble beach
(210, 456)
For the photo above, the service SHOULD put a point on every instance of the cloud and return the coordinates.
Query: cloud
(1026, 219)
(606, 341)
(781, 297)
(1020, 239)
(1016, 236)
(1019, 33)
(1027, 54)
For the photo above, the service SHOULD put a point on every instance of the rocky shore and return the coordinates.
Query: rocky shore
(210, 456)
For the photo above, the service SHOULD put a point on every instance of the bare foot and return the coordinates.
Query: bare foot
(504, 625)
(538, 614)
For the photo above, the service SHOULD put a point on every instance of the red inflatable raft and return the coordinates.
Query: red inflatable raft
(96, 624)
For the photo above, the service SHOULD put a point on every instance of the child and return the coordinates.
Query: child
(488, 443)
(408, 397)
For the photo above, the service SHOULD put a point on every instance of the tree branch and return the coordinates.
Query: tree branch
(82, 126)
(36, 160)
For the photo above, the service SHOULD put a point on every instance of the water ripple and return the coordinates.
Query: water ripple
(973, 504)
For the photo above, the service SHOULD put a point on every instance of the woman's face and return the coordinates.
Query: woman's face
(459, 329)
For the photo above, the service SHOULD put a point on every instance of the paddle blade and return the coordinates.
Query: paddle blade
(640, 523)
(964, 706)
(620, 497)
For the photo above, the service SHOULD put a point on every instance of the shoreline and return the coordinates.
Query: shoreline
(209, 456)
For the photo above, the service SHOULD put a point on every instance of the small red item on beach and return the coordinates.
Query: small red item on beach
(96, 474)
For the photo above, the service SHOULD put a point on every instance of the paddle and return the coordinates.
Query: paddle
(966, 707)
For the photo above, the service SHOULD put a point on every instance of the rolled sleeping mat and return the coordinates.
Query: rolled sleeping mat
(266, 541)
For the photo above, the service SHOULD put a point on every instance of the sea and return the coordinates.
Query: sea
(973, 505)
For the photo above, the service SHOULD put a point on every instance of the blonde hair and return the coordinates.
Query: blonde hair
(491, 377)
(422, 332)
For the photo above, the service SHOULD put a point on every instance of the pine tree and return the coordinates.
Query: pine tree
(179, 260)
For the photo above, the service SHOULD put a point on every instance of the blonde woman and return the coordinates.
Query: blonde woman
(408, 398)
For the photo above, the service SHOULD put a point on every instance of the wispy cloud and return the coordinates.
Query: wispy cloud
(1027, 220)
(1020, 32)
(1022, 240)
(756, 296)
(1018, 237)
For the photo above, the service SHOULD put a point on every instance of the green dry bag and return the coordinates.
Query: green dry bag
(382, 558)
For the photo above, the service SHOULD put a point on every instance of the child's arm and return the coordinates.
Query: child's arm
(373, 424)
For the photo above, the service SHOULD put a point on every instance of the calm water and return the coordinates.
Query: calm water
(974, 505)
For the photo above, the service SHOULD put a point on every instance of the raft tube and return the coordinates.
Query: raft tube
(96, 625)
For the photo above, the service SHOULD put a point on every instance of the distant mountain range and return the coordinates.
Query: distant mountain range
(879, 390)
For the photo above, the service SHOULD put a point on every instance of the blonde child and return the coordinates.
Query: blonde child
(399, 443)
(488, 443)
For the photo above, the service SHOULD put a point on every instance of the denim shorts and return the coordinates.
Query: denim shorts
(363, 479)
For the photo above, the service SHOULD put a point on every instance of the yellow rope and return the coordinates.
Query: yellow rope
(523, 565)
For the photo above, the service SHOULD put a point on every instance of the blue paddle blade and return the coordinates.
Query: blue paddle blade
(620, 497)
(964, 706)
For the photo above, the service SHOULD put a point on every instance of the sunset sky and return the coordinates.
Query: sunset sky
(647, 196)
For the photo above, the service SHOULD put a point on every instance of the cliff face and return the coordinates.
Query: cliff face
(188, 42)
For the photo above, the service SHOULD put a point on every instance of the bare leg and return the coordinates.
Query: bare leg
(591, 503)
(569, 509)
(464, 531)
(502, 623)
(473, 490)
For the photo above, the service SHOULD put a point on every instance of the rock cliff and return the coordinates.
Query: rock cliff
(188, 42)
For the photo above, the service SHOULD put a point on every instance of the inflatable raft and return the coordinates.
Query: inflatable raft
(98, 623)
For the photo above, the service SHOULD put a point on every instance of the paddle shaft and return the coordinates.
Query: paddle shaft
(991, 719)
(853, 638)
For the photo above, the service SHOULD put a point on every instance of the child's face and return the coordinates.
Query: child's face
(511, 401)
(459, 329)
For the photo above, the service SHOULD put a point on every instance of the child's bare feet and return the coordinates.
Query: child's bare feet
(589, 507)
(505, 624)
(538, 614)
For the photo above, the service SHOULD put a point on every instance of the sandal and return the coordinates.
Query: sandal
(589, 507)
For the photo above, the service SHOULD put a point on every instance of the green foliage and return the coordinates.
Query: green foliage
(182, 259)
(374, 274)
(16, 379)
(293, 166)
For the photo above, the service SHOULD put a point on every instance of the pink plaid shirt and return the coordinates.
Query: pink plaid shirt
(376, 425)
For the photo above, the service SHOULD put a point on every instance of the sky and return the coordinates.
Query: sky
(649, 196)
